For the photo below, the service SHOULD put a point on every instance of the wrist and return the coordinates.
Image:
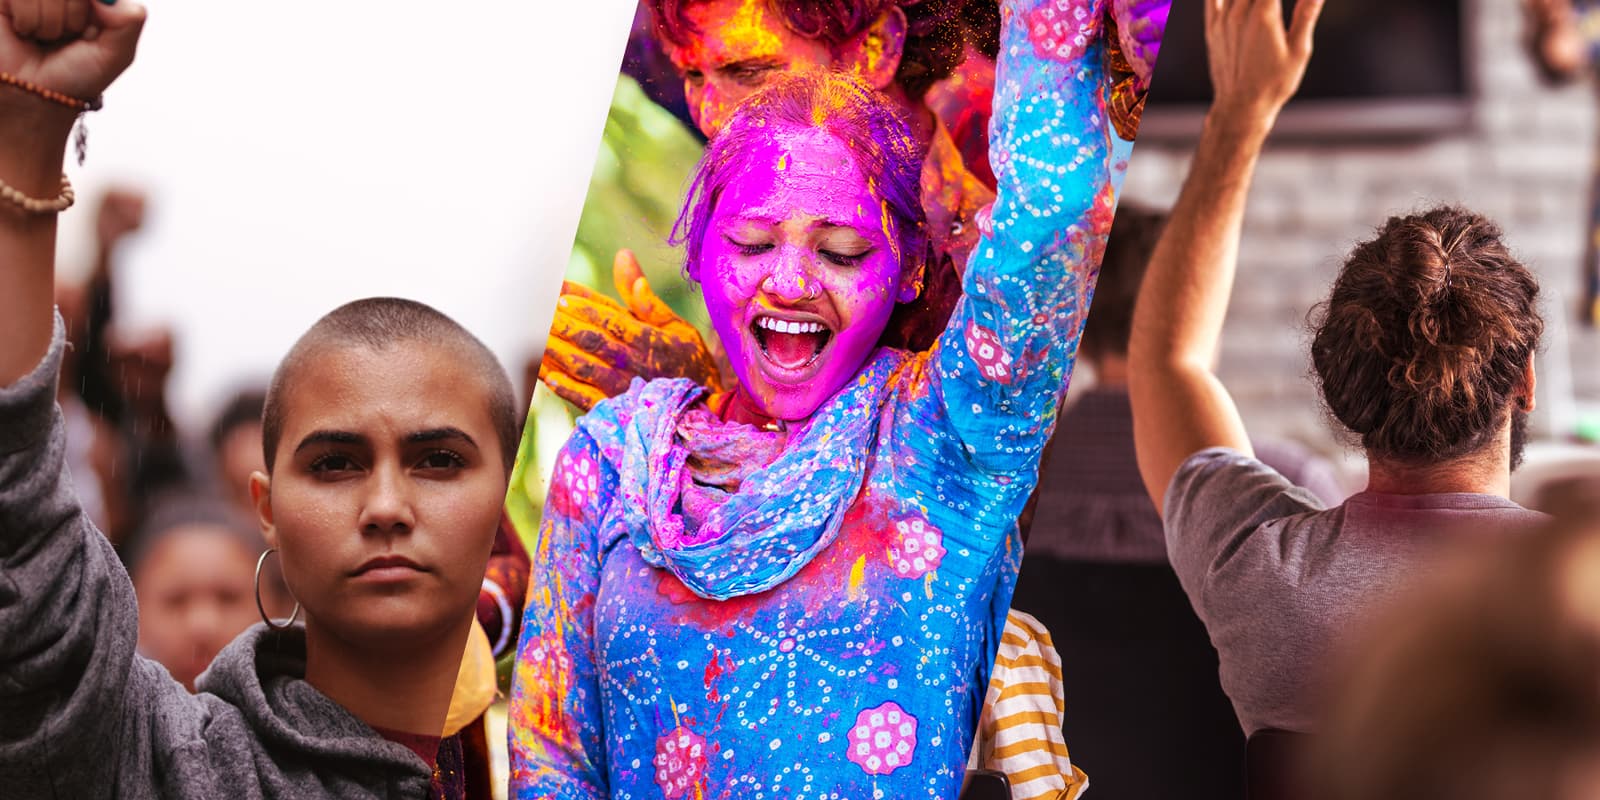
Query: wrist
(33, 143)
(1240, 121)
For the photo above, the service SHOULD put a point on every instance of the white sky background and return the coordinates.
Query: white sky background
(302, 154)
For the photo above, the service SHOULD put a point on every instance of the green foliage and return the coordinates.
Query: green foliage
(643, 168)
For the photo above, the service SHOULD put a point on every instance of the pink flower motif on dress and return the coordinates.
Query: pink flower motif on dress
(883, 739)
(918, 547)
(680, 761)
(547, 657)
(582, 477)
(992, 360)
(1062, 29)
(577, 481)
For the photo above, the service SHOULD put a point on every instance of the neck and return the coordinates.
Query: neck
(405, 689)
(741, 408)
(1479, 473)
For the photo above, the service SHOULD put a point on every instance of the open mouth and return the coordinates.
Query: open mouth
(790, 344)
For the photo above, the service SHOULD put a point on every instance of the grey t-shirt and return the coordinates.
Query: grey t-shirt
(1277, 578)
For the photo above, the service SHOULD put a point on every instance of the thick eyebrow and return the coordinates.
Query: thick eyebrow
(758, 62)
(330, 437)
(447, 433)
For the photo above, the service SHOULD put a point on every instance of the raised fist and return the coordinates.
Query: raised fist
(75, 47)
(121, 213)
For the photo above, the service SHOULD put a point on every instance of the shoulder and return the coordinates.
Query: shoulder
(1212, 476)
(1217, 501)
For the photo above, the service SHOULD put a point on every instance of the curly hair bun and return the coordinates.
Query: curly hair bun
(1422, 344)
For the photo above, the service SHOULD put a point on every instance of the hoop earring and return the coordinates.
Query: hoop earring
(261, 608)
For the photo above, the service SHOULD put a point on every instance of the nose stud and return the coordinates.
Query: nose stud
(810, 289)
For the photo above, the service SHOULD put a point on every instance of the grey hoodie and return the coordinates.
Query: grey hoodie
(82, 715)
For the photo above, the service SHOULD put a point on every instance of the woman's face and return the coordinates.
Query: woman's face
(194, 589)
(800, 270)
(386, 491)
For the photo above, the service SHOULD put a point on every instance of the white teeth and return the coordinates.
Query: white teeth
(786, 326)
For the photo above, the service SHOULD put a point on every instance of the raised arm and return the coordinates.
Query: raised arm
(1179, 406)
(1003, 361)
(556, 729)
(67, 616)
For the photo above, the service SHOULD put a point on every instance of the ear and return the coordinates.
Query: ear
(261, 496)
(875, 53)
(1529, 386)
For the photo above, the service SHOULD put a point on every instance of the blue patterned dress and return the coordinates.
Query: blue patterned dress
(833, 639)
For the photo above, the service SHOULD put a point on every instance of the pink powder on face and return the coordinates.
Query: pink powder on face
(800, 271)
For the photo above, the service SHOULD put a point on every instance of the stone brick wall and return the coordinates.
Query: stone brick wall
(1526, 162)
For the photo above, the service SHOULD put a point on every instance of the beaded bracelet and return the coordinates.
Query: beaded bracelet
(81, 138)
(52, 95)
(34, 205)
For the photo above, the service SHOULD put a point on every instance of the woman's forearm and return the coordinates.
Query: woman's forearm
(32, 145)
(1027, 285)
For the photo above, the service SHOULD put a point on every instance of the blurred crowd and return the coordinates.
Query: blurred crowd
(177, 508)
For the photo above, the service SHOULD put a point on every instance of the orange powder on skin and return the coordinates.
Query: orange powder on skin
(747, 31)
(744, 33)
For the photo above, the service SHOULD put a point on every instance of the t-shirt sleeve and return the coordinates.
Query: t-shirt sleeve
(1217, 501)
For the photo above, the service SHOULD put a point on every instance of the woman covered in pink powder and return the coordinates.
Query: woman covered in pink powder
(796, 588)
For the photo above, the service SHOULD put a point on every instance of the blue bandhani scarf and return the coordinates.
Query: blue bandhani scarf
(781, 516)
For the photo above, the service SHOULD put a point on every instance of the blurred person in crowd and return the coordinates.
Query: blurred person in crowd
(389, 433)
(1424, 351)
(193, 574)
(117, 382)
(96, 452)
(1563, 38)
(235, 439)
(1484, 682)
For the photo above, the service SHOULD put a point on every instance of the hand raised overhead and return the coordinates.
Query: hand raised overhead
(1256, 63)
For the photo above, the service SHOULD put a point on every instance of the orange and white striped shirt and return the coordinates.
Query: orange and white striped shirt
(1019, 730)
